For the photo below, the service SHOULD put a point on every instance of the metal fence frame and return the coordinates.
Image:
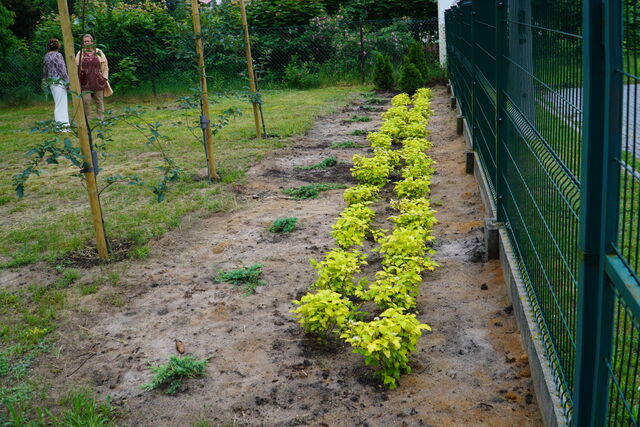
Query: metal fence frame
(550, 105)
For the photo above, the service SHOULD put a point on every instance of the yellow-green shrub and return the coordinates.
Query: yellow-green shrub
(414, 213)
(386, 342)
(400, 100)
(400, 112)
(395, 290)
(412, 130)
(411, 187)
(380, 140)
(422, 93)
(405, 249)
(372, 170)
(353, 225)
(336, 271)
(418, 169)
(361, 194)
(393, 127)
(414, 144)
(322, 313)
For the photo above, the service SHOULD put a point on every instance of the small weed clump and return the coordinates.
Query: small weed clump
(357, 118)
(359, 132)
(371, 98)
(67, 279)
(173, 372)
(345, 144)
(89, 288)
(284, 225)
(310, 191)
(248, 278)
(371, 108)
(83, 410)
(326, 163)
(139, 253)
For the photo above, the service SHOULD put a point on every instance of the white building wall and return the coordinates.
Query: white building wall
(442, 6)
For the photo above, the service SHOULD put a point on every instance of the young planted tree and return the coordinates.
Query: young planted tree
(383, 73)
(410, 78)
(417, 57)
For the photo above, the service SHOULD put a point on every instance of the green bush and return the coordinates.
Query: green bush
(126, 76)
(436, 74)
(383, 73)
(410, 78)
(417, 57)
(300, 75)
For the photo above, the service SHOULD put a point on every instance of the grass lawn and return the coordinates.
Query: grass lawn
(53, 218)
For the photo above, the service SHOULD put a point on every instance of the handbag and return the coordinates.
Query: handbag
(107, 91)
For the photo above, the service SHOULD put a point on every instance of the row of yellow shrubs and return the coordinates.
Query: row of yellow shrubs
(333, 310)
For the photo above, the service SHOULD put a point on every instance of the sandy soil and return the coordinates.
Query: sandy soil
(471, 370)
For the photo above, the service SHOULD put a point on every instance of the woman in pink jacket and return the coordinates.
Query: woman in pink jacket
(93, 70)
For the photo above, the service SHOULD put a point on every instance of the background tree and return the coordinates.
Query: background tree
(27, 14)
(387, 9)
(7, 40)
(283, 13)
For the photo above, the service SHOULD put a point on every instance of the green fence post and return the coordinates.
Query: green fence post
(613, 42)
(501, 76)
(599, 195)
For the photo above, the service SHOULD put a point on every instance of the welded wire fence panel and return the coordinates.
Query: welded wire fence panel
(465, 47)
(458, 22)
(542, 158)
(484, 87)
(540, 143)
(624, 394)
(629, 225)
(541, 172)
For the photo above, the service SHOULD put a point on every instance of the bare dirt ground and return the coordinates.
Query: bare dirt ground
(471, 370)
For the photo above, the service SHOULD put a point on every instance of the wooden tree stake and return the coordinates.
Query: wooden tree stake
(204, 95)
(252, 83)
(83, 136)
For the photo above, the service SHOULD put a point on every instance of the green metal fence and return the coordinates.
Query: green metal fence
(549, 91)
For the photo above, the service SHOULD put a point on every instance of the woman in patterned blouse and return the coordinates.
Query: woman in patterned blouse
(55, 76)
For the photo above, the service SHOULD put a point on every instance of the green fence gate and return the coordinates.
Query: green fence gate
(550, 95)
